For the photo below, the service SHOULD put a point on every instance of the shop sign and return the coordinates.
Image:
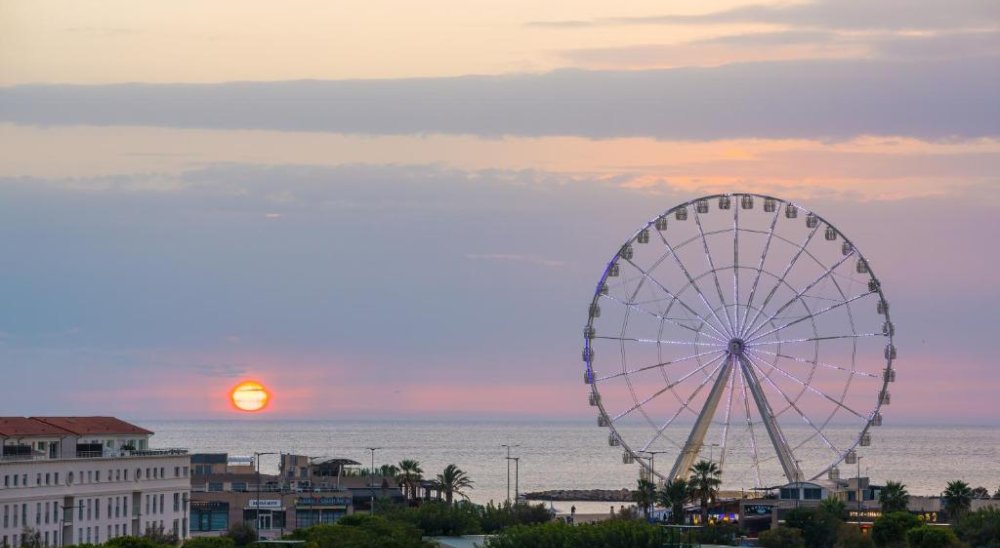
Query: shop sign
(264, 504)
(757, 510)
(322, 501)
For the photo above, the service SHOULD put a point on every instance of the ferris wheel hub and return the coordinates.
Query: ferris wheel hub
(736, 346)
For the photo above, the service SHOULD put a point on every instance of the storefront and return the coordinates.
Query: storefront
(266, 514)
(313, 510)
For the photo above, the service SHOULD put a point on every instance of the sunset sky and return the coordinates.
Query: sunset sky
(399, 209)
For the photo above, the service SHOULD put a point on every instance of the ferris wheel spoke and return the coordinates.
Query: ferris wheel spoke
(686, 405)
(815, 363)
(799, 294)
(760, 265)
(806, 317)
(729, 414)
(663, 390)
(715, 274)
(753, 435)
(792, 404)
(813, 339)
(811, 388)
(655, 365)
(784, 274)
(663, 317)
(694, 284)
(684, 304)
(736, 269)
(657, 341)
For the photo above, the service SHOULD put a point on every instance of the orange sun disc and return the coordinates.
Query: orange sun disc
(250, 396)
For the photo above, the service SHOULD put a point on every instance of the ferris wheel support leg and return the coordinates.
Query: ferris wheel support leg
(785, 455)
(697, 437)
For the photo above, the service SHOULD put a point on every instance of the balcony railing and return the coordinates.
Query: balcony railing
(105, 454)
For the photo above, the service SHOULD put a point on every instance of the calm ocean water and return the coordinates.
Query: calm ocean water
(569, 455)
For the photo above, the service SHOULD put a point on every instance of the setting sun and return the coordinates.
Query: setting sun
(250, 396)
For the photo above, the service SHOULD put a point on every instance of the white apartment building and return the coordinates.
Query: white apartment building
(87, 480)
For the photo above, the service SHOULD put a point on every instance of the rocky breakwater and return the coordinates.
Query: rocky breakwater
(605, 495)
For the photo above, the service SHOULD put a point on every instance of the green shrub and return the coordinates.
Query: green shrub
(929, 536)
(242, 533)
(605, 534)
(782, 537)
(819, 527)
(132, 542)
(209, 542)
(362, 531)
(722, 533)
(980, 528)
(890, 529)
(850, 536)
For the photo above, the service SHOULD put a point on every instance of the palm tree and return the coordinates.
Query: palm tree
(410, 473)
(957, 498)
(645, 495)
(673, 495)
(834, 507)
(452, 481)
(894, 497)
(704, 482)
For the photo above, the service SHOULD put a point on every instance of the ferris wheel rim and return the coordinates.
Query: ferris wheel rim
(736, 327)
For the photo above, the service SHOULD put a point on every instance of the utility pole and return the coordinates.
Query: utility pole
(508, 446)
(517, 468)
(860, 496)
(371, 480)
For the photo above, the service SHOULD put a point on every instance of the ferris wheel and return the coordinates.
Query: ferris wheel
(742, 329)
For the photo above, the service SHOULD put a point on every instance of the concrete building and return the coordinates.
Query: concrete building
(86, 480)
(227, 489)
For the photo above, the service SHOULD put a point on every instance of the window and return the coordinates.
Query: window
(215, 486)
(209, 516)
(57, 478)
(79, 508)
(47, 478)
(177, 502)
(154, 504)
(38, 479)
(97, 508)
(69, 478)
(812, 493)
(38, 513)
(177, 471)
(6, 516)
(47, 512)
(147, 504)
(240, 486)
(789, 493)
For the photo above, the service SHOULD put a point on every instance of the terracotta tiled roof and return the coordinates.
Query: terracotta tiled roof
(23, 426)
(93, 425)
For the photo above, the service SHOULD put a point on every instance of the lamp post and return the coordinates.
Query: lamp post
(517, 468)
(859, 492)
(652, 463)
(256, 509)
(711, 451)
(508, 446)
(371, 476)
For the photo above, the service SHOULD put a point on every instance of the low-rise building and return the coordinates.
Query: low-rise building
(86, 480)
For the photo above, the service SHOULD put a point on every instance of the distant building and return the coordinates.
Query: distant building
(87, 480)
(227, 489)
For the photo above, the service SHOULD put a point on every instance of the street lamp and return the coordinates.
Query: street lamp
(371, 480)
(517, 468)
(508, 446)
(711, 451)
(859, 492)
(256, 510)
(652, 462)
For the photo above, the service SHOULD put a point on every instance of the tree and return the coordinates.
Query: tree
(674, 495)
(894, 497)
(957, 498)
(980, 528)
(781, 537)
(31, 538)
(644, 495)
(387, 471)
(410, 473)
(131, 542)
(996, 495)
(834, 507)
(819, 528)
(927, 536)
(362, 531)
(453, 481)
(158, 535)
(704, 482)
(890, 529)
(242, 533)
(850, 536)
(980, 493)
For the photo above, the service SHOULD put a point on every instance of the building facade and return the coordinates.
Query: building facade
(87, 480)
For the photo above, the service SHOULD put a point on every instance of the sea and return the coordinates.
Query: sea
(566, 454)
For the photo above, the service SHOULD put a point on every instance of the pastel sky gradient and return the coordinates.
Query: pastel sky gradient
(397, 209)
